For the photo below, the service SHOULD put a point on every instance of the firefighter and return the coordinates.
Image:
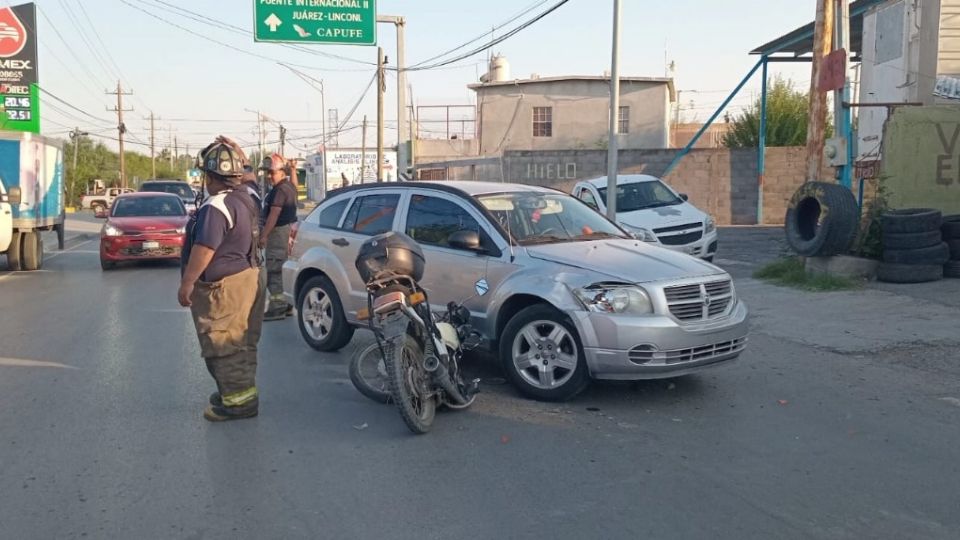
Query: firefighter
(279, 212)
(221, 282)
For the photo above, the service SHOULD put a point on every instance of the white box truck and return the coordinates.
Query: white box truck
(31, 197)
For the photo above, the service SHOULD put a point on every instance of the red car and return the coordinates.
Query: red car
(142, 226)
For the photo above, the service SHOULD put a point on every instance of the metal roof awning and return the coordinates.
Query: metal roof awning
(797, 46)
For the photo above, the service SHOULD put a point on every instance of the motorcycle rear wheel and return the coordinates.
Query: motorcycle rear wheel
(368, 373)
(409, 381)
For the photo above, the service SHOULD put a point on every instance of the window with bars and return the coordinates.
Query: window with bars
(623, 120)
(543, 121)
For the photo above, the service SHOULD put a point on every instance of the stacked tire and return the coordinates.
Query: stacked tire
(913, 246)
(951, 236)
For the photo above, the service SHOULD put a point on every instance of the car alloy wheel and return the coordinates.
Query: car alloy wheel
(545, 354)
(317, 314)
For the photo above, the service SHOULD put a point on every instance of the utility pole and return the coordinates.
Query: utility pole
(363, 150)
(283, 140)
(403, 153)
(170, 146)
(153, 149)
(381, 88)
(612, 147)
(75, 136)
(816, 122)
(121, 128)
(176, 154)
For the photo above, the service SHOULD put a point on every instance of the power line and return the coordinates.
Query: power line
(68, 104)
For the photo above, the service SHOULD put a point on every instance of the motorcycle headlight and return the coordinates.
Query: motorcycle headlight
(640, 233)
(709, 225)
(621, 299)
(110, 230)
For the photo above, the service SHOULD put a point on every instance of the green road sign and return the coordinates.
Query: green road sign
(20, 108)
(338, 22)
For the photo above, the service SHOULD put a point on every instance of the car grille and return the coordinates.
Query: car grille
(152, 233)
(164, 251)
(699, 301)
(645, 354)
(666, 237)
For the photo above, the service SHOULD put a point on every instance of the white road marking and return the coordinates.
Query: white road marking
(58, 253)
(728, 262)
(951, 400)
(20, 362)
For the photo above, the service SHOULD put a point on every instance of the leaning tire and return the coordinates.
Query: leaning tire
(936, 255)
(911, 240)
(951, 269)
(403, 366)
(32, 251)
(911, 220)
(542, 355)
(14, 261)
(909, 273)
(366, 374)
(821, 219)
(320, 316)
(951, 227)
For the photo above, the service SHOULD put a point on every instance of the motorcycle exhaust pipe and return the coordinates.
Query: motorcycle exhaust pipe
(442, 376)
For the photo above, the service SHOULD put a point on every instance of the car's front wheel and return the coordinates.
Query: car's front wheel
(542, 356)
(320, 316)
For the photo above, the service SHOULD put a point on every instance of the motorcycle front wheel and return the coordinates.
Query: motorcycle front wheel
(410, 385)
(368, 373)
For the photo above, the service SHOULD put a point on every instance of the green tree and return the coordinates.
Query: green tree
(787, 111)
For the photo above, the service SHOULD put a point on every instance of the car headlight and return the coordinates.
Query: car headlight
(110, 230)
(622, 299)
(640, 233)
(709, 225)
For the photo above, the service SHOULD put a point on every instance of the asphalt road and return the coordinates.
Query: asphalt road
(101, 393)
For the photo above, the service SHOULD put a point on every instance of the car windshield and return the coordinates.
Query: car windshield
(148, 207)
(642, 195)
(179, 189)
(546, 218)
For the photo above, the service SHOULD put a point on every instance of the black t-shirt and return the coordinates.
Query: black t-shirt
(284, 196)
(224, 224)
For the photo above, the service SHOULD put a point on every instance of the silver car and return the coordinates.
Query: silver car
(559, 292)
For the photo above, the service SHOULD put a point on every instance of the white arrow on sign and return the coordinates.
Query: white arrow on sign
(273, 22)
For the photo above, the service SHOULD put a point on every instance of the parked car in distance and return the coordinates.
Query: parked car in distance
(179, 188)
(655, 213)
(142, 226)
(102, 199)
(570, 296)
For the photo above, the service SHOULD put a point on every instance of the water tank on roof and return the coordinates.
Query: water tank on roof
(499, 69)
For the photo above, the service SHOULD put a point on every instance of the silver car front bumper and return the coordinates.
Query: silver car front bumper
(656, 346)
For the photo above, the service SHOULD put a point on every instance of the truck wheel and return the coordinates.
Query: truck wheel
(32, 246)
(13, 253)
(96, 206)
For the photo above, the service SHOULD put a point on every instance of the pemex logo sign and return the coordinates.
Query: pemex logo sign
(13, 35)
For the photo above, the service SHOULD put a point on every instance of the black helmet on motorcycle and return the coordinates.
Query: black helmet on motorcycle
(390, 253)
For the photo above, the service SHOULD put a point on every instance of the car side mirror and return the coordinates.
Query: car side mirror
(100, 212)
(14, 196)
(465, 240)
(685, 197)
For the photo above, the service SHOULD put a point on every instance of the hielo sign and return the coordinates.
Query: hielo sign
(338, 22)
(19, 93)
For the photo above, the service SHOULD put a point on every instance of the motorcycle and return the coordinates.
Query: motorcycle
(415, 361)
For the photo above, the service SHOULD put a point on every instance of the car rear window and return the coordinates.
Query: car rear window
(330, 216)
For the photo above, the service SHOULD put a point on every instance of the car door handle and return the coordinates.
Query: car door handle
(342, 242)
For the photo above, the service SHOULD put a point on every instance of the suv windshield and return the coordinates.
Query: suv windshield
(642, 195)
(545, 218)
(148, 207)
(179, 189)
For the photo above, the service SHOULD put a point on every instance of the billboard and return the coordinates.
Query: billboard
(345, 164)
(19, 93)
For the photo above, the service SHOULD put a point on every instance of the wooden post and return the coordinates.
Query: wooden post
(816, 123)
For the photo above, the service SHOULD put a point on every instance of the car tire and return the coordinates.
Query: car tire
(31, 249)
(911, 240)
(954, 245)
(96, 205)
(909, 273)
(937, 255)
(106, 265)
(320, 316)
(14, 261)
(951, 227)
(821, 220)
(951, 269)
(556, 333)
(911, 220)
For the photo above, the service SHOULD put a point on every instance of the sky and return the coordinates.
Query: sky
(198, 88)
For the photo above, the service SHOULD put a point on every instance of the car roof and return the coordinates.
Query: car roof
(460, 187)
(601, 181)
(143, 194)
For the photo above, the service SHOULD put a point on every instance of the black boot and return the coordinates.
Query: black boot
(215, 413)
(216, 400)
